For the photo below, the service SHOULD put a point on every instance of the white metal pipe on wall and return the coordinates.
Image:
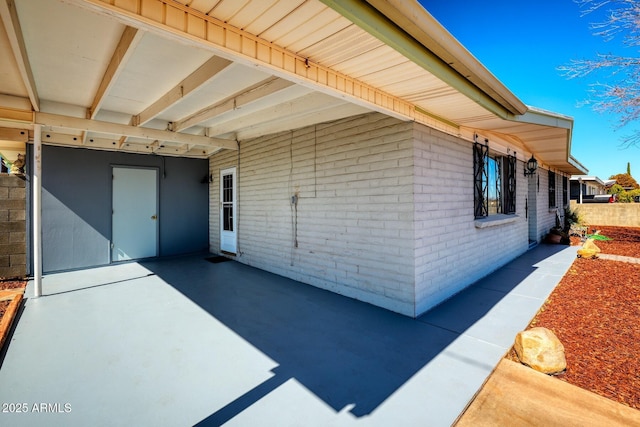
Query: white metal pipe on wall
(37, 210)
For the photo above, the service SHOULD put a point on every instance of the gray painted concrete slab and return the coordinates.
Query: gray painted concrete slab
(186, 342)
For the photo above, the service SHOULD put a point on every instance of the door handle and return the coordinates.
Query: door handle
(154, 217)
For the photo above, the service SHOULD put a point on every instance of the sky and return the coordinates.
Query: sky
(523, 43)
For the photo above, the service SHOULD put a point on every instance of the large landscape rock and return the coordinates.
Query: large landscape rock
(540, 349)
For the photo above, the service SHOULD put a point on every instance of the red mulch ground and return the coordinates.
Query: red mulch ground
(594, 311)
(626, 241)
(9, 284)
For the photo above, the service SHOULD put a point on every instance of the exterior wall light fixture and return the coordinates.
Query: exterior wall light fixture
(531, 166)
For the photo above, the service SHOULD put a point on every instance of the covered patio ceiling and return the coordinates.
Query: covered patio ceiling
(192, 77)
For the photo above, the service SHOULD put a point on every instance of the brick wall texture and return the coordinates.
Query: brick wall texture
(12, 226)
(384, 212)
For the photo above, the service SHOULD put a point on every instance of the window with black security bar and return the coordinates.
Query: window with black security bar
(494, 182)
(565, 190)
(552, 189)
(510, 163)
(480, 180)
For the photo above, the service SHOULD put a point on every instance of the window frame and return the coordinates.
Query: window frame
(501, 170)
(553, 202)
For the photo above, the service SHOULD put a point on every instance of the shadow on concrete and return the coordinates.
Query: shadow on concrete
(348, 353)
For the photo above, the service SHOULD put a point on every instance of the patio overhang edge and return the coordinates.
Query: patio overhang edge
(377, 24)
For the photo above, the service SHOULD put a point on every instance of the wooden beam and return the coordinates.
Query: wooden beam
(238, 100)
(16, 135)
(111, 144)
(55, 121)
(13, 115)
(11, 23)
(202, 75)
(128, 41)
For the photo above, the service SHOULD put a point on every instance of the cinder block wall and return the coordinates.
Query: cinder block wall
(13, 251)
(613, 214)
(352, 232)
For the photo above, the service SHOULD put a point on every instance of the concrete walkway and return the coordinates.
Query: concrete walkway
(185, 342)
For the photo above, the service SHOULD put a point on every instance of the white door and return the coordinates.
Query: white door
(228, 220)
(135, 213)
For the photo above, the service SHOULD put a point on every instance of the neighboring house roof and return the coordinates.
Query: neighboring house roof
(191, 77)
(588, 178)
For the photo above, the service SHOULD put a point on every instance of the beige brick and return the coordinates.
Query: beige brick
(18, 193)
(5, 261)
(18, 259)
(17, 237)
(13, 248)
(4, 214)
(12, 226)
(14, 204)
(17, 215)
(11, 181)
(13, 271)
(4, 193)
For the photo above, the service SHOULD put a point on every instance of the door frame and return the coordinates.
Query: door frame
(234, 203)
(157, 190)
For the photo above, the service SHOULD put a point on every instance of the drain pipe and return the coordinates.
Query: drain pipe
(37, 210)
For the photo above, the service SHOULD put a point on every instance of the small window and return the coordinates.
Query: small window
(552, 189)
(494, 182)
(565, 190)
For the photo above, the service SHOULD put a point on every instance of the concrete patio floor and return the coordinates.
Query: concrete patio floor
(183, 341)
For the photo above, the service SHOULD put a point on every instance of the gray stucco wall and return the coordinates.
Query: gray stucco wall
(76, 205)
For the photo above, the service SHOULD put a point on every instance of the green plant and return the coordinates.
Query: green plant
(573, 216)
(615, 189)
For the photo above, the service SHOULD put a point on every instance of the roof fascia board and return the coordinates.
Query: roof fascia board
(545, 118)
(418, 22)
(579, 166)
(381, 27)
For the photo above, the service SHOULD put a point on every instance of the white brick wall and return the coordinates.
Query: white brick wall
(385, 211)
(354, 181)
(547, 215)
(451, 253)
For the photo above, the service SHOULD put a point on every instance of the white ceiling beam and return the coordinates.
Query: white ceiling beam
(55, 121)
(11, 23)
(128, 41)
(202, 75)
(256, 92)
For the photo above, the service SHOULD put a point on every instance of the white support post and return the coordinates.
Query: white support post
(580, 185)
(37, 210)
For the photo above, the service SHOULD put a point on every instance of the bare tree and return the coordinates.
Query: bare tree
(621, 94)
